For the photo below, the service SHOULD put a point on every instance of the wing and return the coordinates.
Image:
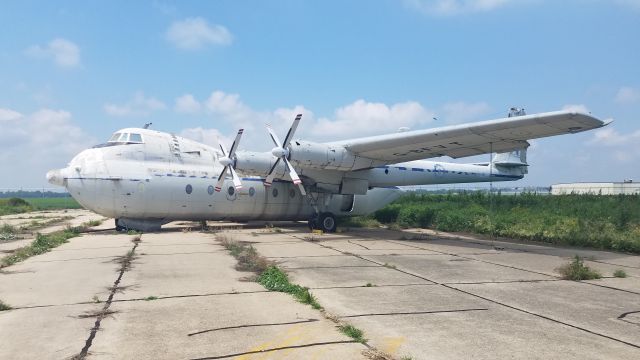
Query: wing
(458, 141)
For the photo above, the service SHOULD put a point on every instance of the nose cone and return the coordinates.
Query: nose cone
(55, 177)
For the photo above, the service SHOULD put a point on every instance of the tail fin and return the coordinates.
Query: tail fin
(514, 161)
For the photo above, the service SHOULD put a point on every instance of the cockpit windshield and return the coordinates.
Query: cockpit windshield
(123, 139)
(126, 138)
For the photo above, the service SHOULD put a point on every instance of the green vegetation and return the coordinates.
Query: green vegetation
(8, 232)
(576, 270)
(353, 332)
(603, 222)
(620, 273)
(247, 256)
(41, 245)
(54, 203)
(4, 307)
(18, 205)
(150, 298)
(92, 223)
(275, 279)
(358, 222)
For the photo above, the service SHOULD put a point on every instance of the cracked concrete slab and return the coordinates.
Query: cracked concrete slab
(217, 326)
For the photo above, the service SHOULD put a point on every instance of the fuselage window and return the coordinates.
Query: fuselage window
(135, 138)
(252, 191)
(292, 193)
(231, 190)
(275, 192)
(210, 189)
(386, 171)
(189, 189)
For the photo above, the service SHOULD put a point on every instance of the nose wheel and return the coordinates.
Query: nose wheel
(325, 221)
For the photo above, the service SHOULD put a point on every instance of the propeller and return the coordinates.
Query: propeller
(281, 152)
(227, 161)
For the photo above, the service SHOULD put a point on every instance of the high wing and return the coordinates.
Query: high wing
(500, 135)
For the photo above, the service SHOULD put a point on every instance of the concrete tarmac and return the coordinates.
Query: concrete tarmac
(415, 294)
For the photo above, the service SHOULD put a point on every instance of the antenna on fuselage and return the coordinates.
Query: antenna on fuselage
(146, 126)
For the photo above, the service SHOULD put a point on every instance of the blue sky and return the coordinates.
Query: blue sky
(74, 72)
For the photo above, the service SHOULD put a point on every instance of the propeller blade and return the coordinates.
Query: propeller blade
(292, 130)
(236, 179)
(272, 173)
(274, 137)
(292, 172)
(294, 177)
(235, 144)
(224, 153)
(221, 179)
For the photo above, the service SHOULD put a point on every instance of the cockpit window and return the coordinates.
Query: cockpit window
(135, 138)
(115, 137)
(124, 137)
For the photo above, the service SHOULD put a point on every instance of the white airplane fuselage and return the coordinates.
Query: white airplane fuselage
(159, 177)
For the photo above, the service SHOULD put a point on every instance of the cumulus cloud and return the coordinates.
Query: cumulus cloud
(63, 52)
(460, 111)
(627, 95)
(454, 7)
(621, 147)
(576, 107)
(187, 104)
(366, 118)
(196, 33)
(210, 137)
(139, 105)
(34, 143)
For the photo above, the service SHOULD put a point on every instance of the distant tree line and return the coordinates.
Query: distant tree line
(33, 194)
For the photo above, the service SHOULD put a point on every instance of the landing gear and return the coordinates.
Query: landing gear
(120, 227)
(325, 221)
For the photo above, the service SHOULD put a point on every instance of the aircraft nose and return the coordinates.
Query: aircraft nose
(55, 177)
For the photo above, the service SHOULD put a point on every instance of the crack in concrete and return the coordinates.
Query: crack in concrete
(362, 246)
(253, 325)
(495, 301)
(277, 349)
(330, 267)
(415, 312)
(365, 286)
(125, 262)
(624, 315)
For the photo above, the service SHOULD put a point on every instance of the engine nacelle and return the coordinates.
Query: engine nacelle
(306, 154)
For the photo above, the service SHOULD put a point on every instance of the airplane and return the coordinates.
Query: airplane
(145, 178)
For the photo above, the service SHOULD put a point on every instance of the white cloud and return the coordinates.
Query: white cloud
(366, 118)
(460, 111)
(454, 7)
(187, 104)
(206, 136)
(627, 95)
(622, 148)
(9, 115)
(196, 33)
(576, 107)
(35, 143)
(139, 105)
(64, 52)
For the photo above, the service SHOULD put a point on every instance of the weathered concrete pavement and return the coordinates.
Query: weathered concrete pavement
(176, 294)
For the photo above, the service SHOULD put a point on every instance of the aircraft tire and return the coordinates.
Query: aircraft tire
(327, 222)
(119, 227)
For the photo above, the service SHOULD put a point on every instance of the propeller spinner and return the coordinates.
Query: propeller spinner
(281, 152)
(227, 160)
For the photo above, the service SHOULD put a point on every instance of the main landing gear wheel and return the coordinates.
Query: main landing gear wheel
(119, 227)
(326, 222)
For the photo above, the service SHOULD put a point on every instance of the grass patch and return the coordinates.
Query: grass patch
(353, 332)
(8, 232)
(4, 306)
(274, 279)
(576, 270)
(359, 222)
(620, 273)
(247, 256)
(92, 223)
(597, 221)
(54, 203)
(390, 266)
(151, 298)
(41, 245)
